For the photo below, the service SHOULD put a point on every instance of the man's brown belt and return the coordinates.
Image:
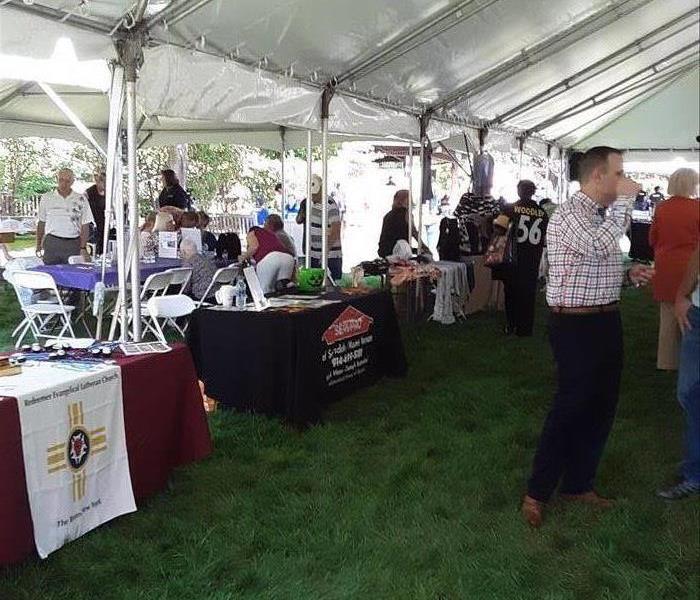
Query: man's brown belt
(585, 310)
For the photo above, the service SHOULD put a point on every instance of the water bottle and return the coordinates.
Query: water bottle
(241, 293)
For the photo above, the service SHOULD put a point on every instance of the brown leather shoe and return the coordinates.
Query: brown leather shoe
(532, 510)
(591, 498)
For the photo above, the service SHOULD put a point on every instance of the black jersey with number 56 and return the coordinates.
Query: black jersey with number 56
(530, 228)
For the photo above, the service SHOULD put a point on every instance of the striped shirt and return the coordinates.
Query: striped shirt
(583, 246)
(334, 251)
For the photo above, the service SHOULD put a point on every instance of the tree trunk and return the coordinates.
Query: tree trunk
(177, 158)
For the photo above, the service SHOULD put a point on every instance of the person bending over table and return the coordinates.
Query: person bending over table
(277, 227)
(273, 261)
(63, 227)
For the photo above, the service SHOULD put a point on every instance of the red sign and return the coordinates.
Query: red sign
(350, 323)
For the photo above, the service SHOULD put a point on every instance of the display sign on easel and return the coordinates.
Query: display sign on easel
(167, 244)
(193, 234)
(256, 291)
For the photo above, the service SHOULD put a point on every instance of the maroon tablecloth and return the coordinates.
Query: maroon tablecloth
(165, 424)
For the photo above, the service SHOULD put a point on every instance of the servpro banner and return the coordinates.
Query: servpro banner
(74, 448)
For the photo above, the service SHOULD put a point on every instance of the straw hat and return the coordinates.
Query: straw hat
(501, 221)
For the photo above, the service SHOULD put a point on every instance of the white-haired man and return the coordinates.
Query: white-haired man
(63, 227)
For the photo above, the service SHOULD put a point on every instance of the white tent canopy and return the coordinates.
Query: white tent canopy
(543, 72)
(553, 70)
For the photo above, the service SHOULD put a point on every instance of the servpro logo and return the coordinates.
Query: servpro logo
(350, 323)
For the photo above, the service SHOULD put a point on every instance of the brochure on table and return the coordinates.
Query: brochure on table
(256, 291)
(167, 244)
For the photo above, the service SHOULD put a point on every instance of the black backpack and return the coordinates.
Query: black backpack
(229, 243)
(448, 242)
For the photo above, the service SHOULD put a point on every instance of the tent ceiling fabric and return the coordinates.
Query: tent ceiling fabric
(582, 64)
(658, 115)
(220, 90)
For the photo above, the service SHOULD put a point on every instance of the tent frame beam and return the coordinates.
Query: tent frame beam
(624, 54)
(72, 117)
(542, 50)
(58, 16)
(421, 33)
(20, 90)
(645, 94)
(176, 12)
(655, 69)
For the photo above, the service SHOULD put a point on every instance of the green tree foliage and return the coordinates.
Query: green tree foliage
(85, 160)
(22, 159)
(301, 152)
(151, 162)
(34, 184)
(212, 169)
(261, 184)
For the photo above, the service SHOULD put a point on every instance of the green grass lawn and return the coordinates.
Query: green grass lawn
(23, 241)
(410, 490)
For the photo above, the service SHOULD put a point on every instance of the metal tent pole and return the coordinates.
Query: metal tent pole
(131, 55)
(324, 192)
(325, 105)
(112, 170)
(424, 120)
(307, 220)
(410, 193)
(121, 308)
(282, 161)
(133, 208)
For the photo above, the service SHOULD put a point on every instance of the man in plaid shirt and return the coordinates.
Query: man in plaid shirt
(583, 293)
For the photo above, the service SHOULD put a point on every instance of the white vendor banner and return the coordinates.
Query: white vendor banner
(74, 446)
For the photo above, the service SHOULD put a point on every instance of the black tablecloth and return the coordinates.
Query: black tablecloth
(293, 364)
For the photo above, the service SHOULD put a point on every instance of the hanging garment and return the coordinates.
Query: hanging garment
(482, 174)
(449, 240)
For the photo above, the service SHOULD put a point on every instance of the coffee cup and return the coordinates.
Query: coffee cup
(224, 295)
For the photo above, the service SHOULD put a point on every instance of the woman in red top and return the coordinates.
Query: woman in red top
(673, 235)
(273, 261)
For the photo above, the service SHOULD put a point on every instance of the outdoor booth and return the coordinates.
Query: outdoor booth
(470, 75)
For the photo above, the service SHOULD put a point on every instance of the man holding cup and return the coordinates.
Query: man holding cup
(585, 276)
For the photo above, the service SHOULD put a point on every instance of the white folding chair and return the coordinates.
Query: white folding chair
(180, 279)
(223, 276)
(154, 286)
(169, 308)
(40, 318)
